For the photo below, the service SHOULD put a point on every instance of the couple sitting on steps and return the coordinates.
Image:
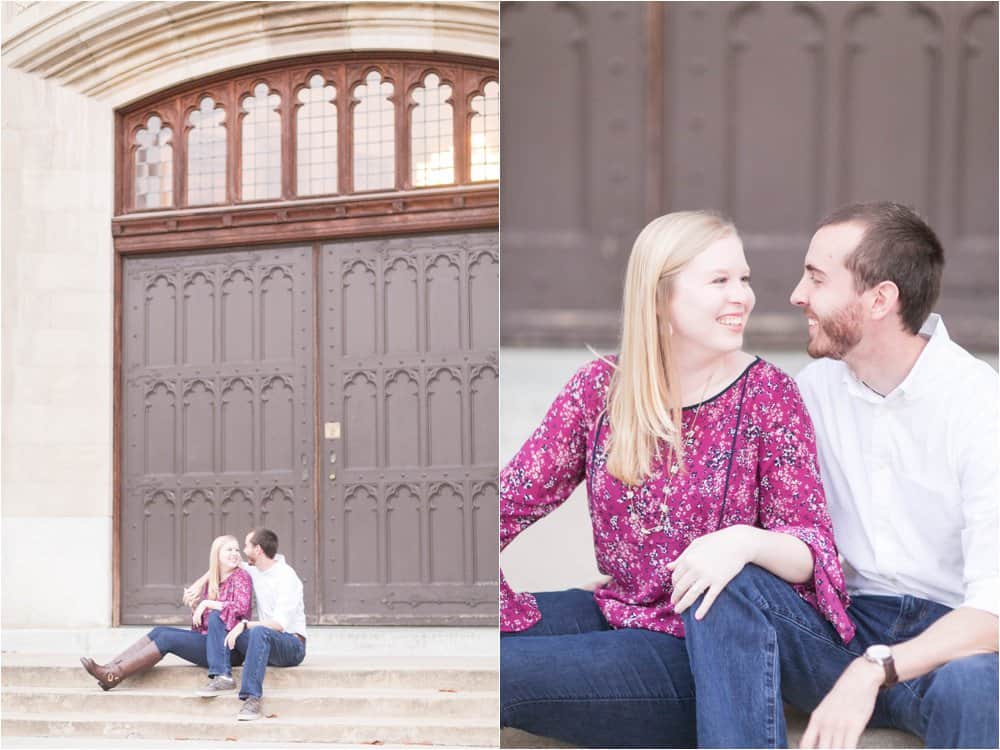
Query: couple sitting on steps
(222, 634)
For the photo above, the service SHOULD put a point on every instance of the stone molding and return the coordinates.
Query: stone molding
(121, 51)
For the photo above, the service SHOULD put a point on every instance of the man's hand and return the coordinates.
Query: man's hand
(843, 714)
(233, 634)
(707, 565)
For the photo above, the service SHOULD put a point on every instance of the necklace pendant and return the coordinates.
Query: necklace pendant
(674, 469)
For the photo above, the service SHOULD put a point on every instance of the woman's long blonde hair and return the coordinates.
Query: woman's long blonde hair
(214, 569)
(644, 405)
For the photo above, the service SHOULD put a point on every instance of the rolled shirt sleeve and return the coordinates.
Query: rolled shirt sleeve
(541, 476)
(978, 481)
(237, 598)
(792, 502)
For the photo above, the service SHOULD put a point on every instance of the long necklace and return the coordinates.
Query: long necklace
(675, 466)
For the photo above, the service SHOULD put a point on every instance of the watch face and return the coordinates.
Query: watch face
(879, 652)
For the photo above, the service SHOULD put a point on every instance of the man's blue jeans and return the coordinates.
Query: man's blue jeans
(573, 678)
(760, 642)
(261, 647)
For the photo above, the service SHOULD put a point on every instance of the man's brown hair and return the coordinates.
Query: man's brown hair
(267, 540)
(897, 246)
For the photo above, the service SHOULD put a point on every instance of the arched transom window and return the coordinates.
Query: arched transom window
(433, 148)
(154, 164)
(318, 128)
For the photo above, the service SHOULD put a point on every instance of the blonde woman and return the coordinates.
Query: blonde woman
(225, 601)
(700, 466)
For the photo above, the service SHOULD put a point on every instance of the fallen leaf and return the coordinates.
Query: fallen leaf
(447, 690)
(231, 739)
(376, 742)
(271, 716)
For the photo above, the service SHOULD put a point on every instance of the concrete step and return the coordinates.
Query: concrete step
(335, 640)
(328, 702)
(435, 673)
(797, 721)
(361, 731)
(103, 743)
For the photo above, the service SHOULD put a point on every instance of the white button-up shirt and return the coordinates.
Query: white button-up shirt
(278, 595)
(911, 479)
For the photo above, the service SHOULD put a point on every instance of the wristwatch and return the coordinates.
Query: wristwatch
(882, 655)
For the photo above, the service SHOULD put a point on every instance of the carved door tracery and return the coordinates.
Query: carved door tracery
(411, 490)
(220, 430)
(218, 362)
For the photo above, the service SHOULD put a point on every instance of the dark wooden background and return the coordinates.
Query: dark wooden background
(774, 113)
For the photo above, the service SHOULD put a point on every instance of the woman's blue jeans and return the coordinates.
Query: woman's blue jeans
(573, 678)
(198, 648)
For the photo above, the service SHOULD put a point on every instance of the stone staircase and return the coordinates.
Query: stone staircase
(369, 699)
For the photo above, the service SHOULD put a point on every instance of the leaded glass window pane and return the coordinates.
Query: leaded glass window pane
(154, 166)
(433, 146)
(206, 177)
(316, 152)
(261, 145)
(374, 135)
(485, 141)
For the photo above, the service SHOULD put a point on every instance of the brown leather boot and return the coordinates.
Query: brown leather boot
(136, 658)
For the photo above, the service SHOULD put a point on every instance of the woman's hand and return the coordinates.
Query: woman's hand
(199, 611)
(708, 564)
(191, 594)
(190, 597)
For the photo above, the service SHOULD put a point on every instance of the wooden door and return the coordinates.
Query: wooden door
(218, 416)
(409, 363)
(774, 113)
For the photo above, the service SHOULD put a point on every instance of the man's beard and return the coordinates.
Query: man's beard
(836, 334)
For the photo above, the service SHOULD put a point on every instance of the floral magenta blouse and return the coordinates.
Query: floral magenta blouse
(236, 594)
(751, 460)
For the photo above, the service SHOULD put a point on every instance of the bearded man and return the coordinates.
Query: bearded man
(906, 429)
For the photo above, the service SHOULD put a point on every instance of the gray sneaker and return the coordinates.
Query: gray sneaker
(218, 684)
(250, 710)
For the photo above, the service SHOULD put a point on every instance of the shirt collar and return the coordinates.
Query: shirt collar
(921, 376)
(920, 380)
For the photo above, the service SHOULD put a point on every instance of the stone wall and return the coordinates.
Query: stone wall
(57, 355)
(66, 67)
